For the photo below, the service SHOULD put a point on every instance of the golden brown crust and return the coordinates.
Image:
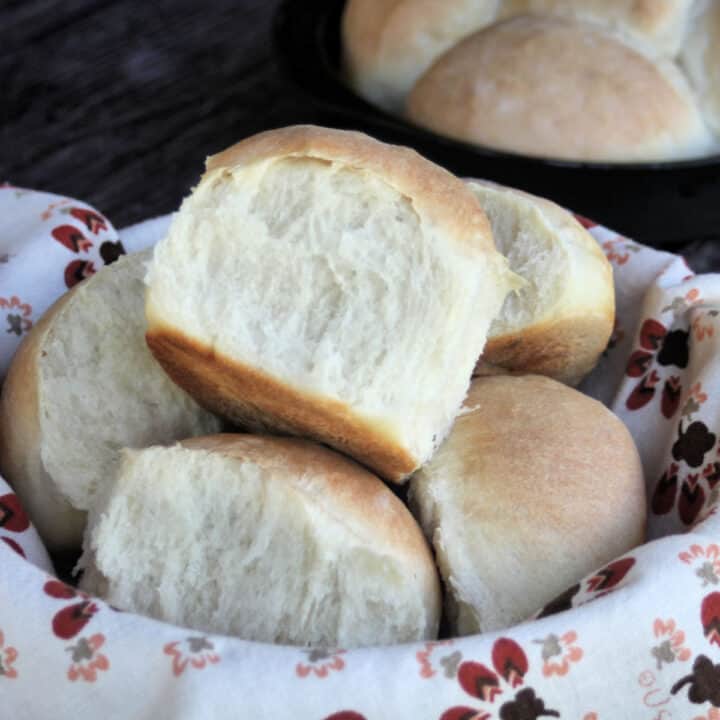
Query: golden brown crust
(338, 484)
(536, 486)
(521, 430)
(254, 400)
(435, 194)
(565, 340)
(605, 101)
(566, 349)
(59, 524)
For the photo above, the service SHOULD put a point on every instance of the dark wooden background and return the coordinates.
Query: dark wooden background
(119, 103)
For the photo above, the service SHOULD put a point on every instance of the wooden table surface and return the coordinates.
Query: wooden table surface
(119, 103)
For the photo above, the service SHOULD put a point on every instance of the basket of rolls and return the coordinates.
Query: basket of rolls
(603, 105)
(349, 437)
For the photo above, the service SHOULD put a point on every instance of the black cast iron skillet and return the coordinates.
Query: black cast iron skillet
(665, 204)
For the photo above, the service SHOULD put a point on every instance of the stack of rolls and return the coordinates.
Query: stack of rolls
(604, 81)
(323, 299)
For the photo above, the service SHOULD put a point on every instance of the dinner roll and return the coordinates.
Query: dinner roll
(536, 486)
(659, 24)
(388, 44)
(81, 385)
(557, 88)
(271, 539)
(560, 321)
(701, 59)
(323, 284)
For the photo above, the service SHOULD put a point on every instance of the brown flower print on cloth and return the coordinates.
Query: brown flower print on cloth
(694, 442)
(703, 682)
(510, 665)
(667, 349)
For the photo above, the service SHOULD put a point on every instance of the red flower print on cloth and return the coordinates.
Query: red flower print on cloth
(618, 250)
(692, 446)
(671, 647)
(93, 221)
(13, 546)
(510, 665)
(703, 682)
(50, 209)
(666, 348)
(610, 576)
(69, 621)
(617, 336)
(72, 238)
(602, 583)
(710, 616)
(703, 325)
(86, 660)
(585, 222)
(12, 516)
(77, 271)
(321, 662)
(559, 652)
(665, 493)
(449, 663)
(17, 315)
(8, 655)
(194, 651)
(345, 715)
(705, 561)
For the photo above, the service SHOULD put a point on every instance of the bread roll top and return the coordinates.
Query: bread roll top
(556, 88)
(320, 283)
(658, 24)
(536, 486)
(388, 44)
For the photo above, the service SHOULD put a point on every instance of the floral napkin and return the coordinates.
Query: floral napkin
(638, 639)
